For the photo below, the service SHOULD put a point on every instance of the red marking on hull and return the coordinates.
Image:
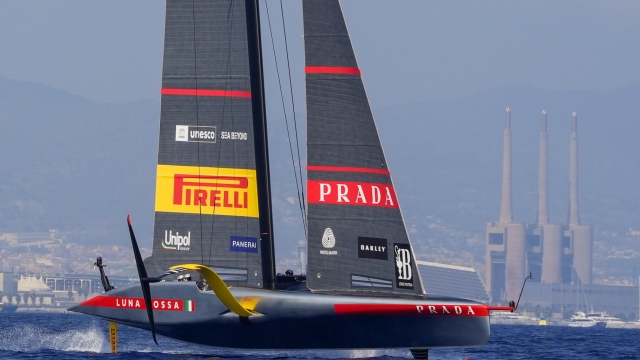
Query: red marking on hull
(411, 309)
(331, 70)
(348, 169)
(500, 308)
(134, 303)
(201, 92)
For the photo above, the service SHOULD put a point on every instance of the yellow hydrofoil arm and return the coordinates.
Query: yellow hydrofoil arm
(219, 288)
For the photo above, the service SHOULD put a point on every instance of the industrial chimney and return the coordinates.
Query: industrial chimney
(574, 216)
(506, 216)
(543, 208)
(550, 234)
(581, 235)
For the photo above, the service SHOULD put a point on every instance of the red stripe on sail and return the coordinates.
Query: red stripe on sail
(201, 92)
(411, 309)
(348, 169)
(331, 70)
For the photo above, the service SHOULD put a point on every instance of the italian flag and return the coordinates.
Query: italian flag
(189, 305)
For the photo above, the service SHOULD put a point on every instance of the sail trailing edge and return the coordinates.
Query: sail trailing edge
(357, 238)
(206, 187)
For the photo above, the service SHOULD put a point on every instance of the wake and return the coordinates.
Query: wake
(31, 338)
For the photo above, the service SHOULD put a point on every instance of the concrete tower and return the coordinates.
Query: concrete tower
(506, 215)
(515, 234)
(505, 257)
(516, 260)
(550, 234)
(581, 235)
(574, 217)
(543, 207)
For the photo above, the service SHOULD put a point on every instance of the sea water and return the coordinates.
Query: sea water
(74, 336)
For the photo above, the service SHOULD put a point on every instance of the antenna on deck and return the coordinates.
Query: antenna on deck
(103, 277)
(511, 303)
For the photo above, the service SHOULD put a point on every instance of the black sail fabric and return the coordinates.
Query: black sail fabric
(206, 187)
(357, 237)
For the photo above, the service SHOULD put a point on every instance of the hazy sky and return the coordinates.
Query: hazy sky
(111, 51)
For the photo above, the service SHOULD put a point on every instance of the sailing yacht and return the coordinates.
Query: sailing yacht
(213, 205)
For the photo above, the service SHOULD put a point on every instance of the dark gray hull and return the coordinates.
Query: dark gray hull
(297, 320)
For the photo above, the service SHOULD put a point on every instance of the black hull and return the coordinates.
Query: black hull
(298, 320)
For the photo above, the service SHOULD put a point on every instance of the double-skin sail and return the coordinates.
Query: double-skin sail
(206, 208)
(357, 237)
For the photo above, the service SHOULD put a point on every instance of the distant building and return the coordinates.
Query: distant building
(8, 285)
(302, 257)
(54, 289)
(569, 298)
(32, 283)
(83, 284)
(552, 253)
(452, 281)
(46, 239)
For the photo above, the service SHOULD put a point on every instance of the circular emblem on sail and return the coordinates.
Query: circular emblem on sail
(328, 240)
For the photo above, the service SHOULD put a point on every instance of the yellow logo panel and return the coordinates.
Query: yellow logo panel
(210, 191)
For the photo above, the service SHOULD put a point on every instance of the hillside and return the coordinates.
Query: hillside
(80, 166)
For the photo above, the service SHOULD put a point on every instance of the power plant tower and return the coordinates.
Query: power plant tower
(574, 217)
(543, 187)
(581, 236)
(551, 252)
(506, 215)
(516, 260)
(505, 257)
(550, 234)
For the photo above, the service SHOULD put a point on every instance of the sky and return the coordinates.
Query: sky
(408, 51)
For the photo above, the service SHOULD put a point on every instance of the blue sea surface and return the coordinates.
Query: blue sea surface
(76, 336)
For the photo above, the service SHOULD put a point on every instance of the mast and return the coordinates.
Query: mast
(260, 141)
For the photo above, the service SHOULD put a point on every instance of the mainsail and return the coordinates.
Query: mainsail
(357, 237)
(206, 188)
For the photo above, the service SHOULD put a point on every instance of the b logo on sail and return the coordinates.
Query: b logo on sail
(207, 191)
(404, 274)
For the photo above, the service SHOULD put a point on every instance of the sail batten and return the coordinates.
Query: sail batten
(357, 238)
